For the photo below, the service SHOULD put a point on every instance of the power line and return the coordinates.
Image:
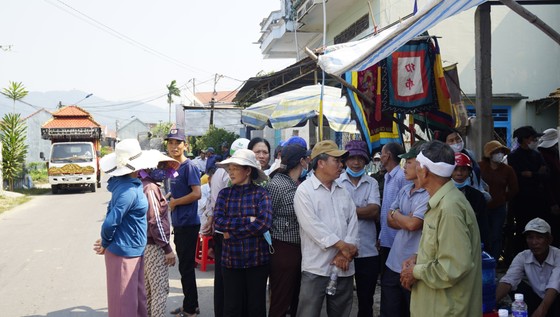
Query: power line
(84, 17)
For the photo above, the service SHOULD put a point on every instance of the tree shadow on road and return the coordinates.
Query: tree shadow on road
(77, 311)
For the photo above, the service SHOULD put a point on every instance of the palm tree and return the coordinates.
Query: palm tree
(172, 91)
(15, 91)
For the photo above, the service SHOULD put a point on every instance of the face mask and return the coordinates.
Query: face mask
(377, 166)
(355, 174)
(303, 173)
(457, 147)
(533, 145)
(463, 184)
(498, 157)
(268, 239)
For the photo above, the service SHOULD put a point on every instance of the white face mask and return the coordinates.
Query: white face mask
(533, 145)
(498, 157)
(457, 147)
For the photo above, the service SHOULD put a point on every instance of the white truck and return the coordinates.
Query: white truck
(74, 158)
(73, 165)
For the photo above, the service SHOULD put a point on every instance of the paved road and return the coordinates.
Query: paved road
(48, 267)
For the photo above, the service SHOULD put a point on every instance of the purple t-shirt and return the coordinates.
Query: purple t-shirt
(185, 215)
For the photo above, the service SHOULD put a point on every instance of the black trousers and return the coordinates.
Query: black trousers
(185, 239)
(395, 299)
(245, 288)
(383, 255)
(218, 279)
(367, 270)
(285, 279)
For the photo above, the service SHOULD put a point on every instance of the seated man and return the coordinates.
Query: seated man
(535, 272)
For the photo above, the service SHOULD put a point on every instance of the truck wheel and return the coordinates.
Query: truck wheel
(54, 189)
(92, 188)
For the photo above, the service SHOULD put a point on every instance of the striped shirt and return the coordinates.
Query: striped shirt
(285, 226)
(246, 246)
(394, 181)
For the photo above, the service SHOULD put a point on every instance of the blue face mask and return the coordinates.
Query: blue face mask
(463, 184)
(268, 239)
(350, 172)
(303, 173)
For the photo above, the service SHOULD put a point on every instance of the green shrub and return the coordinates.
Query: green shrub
(38, 172)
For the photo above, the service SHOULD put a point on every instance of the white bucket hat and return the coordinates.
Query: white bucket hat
(155, 157)
(127, 158)
(245, 157)
(549, 138)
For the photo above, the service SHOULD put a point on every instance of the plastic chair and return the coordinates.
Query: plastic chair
(201, 253)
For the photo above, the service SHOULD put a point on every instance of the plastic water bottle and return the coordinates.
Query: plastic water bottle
(518, 307)
(333, 279)
(503, 313)
(488, 282)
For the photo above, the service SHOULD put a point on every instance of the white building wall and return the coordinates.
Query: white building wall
(35, 144)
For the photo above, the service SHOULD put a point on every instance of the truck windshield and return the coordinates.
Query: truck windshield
(71, 153)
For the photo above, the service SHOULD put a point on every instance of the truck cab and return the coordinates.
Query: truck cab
(73, 165)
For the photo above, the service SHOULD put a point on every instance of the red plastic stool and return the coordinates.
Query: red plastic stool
(201, 253)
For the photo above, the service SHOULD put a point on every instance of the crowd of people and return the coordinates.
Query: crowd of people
(295, 217)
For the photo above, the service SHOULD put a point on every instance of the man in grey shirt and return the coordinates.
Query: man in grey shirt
(406, 214)
(535, 272)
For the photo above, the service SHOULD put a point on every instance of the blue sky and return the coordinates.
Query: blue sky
(131, 49)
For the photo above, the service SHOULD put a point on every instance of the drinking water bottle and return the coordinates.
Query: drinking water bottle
(333, 278)
(518, 307)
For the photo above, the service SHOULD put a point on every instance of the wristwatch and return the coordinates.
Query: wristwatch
(393, 212)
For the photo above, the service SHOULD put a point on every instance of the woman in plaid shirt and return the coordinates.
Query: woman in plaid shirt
(243, 213)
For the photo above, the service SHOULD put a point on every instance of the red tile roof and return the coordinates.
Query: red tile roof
(221, 96)
(71, 111)
(71, 123)
(71, 117)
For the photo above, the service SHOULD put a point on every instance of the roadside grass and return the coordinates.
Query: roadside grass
(8, 202)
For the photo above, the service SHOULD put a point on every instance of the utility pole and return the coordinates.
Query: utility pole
(116, 130)
(212, 102)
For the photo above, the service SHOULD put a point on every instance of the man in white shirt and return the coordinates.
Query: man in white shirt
(535, 272)
(200, 161)
(329, 234)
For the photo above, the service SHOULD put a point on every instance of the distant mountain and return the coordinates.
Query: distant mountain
(105, 112)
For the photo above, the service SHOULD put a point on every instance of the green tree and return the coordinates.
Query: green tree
(161, 129)
(214, 138)
(15, 91)
(172, 90)
(13, 135)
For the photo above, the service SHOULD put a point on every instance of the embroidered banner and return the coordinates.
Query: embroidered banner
(411, 86)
